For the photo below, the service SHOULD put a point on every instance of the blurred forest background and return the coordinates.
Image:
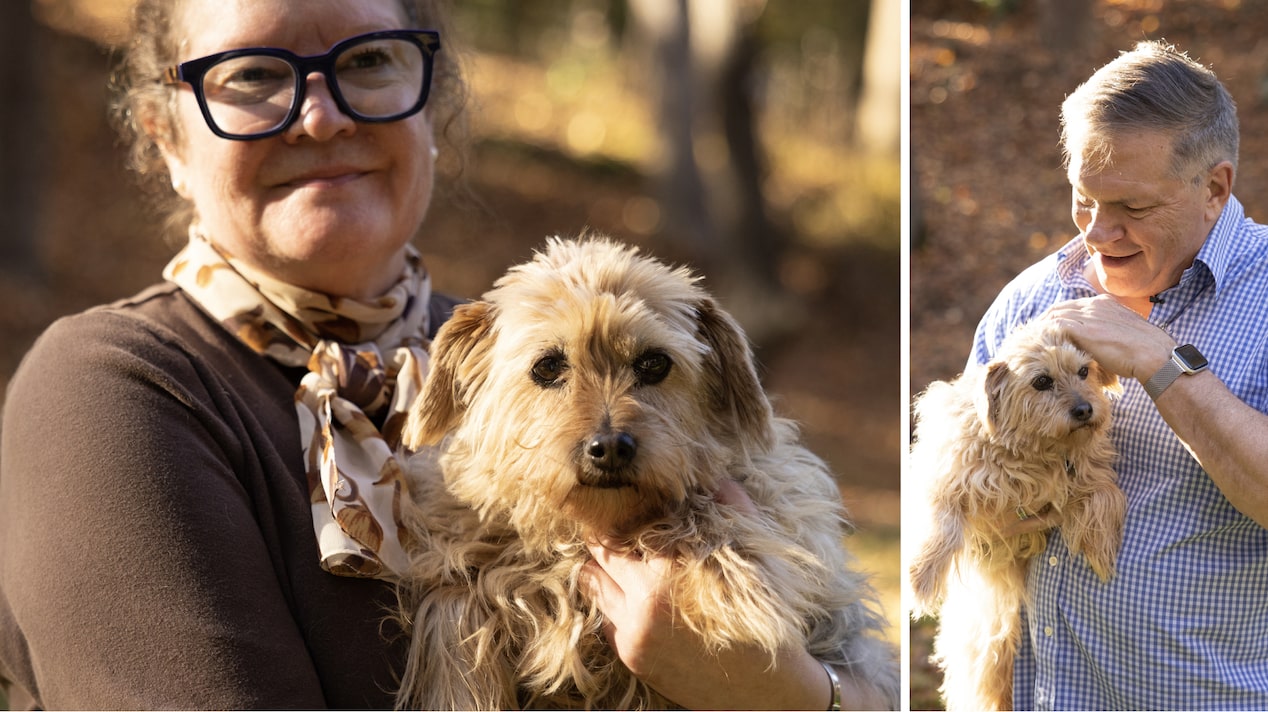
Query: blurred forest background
(758, 142)
(988, 193)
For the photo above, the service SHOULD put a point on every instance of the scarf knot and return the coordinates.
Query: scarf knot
(355, 373)
(366, 360)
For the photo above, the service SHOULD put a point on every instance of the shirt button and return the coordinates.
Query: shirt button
(1052, 561)
(1047, 631)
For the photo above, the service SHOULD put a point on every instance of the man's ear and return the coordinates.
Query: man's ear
(1219, 185)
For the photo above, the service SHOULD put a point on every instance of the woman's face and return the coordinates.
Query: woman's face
(330, 203)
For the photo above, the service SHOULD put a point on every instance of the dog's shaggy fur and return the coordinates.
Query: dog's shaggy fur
(598, 393)
(1025, 434)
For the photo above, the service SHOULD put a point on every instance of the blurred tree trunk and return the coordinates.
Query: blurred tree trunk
(878, 127)
(710, 178)
(666, 31)
(22, 138)
(756, 236)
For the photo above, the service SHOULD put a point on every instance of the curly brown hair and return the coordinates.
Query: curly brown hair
(142, 106)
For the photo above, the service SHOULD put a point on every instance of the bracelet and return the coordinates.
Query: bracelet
(835, 706)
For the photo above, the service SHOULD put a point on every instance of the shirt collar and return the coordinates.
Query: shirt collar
(1071, 259)
(1219, 250)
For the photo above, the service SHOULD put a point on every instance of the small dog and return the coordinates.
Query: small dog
(1026, 434)
(598, 394)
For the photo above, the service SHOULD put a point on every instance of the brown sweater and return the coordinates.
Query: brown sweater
(156, 537)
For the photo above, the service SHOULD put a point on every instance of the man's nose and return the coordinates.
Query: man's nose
(1101, 227)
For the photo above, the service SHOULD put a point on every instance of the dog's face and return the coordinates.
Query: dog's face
(1042, 387)
(591, 385)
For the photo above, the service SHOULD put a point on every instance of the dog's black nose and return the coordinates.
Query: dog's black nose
(1081, 412)
(612, 450)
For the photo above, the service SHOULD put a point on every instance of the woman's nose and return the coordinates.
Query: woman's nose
(319, 116)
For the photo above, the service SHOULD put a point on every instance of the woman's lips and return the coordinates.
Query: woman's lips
(324, 179)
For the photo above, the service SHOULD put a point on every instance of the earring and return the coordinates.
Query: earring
(435, 152)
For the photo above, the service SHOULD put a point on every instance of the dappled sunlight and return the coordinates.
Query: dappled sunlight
(569, 81)
(568, 134)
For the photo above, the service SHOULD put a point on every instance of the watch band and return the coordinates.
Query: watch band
(1163, 378)
(1184, 359)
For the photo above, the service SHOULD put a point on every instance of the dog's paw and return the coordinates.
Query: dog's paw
(931, 565)
(1094, 528)
(1101, 556)
(1101, 551)
(927, 580)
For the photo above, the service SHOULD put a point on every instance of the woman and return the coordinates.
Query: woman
(197, 482)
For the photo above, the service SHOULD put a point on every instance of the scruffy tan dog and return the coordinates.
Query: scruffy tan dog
(1026, 434)
(598, 393)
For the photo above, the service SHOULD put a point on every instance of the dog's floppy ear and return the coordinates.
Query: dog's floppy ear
(458, 361)
(989, 393)
(1108, 380)
(730, 376)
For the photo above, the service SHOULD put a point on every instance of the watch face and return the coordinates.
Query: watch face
(1191, 357)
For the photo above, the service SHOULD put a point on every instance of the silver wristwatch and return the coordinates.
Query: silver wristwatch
(1184, 360)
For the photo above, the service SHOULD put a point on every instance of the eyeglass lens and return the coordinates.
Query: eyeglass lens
(251, 94)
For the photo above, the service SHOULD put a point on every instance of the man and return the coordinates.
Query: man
(1166, 276)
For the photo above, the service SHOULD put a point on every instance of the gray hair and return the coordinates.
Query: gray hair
(1153, 87)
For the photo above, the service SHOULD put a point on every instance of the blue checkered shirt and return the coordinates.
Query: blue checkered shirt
(1184, 624)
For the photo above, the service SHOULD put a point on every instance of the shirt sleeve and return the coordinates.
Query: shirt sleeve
(1026, 297)
(133, 573)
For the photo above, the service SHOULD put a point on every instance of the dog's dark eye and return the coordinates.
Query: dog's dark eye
(549, 369)
(651, 368)
(1042, 383)
(1083, 373)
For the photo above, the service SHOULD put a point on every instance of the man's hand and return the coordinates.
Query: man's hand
(1118, 338)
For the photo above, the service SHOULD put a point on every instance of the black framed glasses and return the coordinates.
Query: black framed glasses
(257, 92)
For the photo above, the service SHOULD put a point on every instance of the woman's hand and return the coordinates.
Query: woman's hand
(631, 590)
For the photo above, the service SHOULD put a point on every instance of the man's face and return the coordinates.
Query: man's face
(1142, 225)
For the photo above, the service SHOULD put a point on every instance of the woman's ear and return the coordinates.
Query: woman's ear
(176, 169)
(164, 136)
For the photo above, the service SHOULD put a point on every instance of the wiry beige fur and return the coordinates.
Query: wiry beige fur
(1029, 430)
(564, 351)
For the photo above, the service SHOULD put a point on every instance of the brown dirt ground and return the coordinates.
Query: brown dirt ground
(985, 95)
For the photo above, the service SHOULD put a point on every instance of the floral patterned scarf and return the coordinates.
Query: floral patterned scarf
(365, 360)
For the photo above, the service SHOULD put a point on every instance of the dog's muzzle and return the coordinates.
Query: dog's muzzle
(610, 451)
(608, 455)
